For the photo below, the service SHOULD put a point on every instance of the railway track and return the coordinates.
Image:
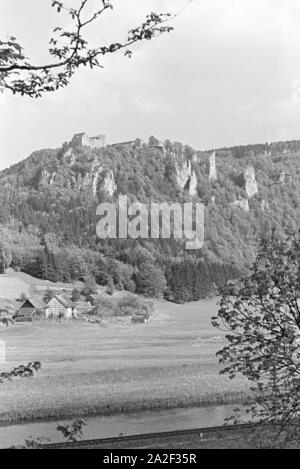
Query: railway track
(120, 441)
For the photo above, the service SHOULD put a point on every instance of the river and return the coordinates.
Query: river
(127, 424)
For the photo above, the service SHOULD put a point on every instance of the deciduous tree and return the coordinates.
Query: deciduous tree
(69, 50)
(261, 315)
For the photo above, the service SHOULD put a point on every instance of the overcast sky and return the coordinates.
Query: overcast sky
(228, 74)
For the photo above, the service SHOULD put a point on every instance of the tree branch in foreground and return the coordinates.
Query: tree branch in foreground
(69, 50)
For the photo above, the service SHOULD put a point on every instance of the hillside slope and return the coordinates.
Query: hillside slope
(48, 211)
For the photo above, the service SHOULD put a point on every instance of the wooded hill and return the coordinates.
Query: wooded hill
(48, 212)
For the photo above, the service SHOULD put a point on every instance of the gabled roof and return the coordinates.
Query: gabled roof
(65, 301)
(36, 303)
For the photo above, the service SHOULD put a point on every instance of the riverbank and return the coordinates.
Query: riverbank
(229, 437)
(125, 424)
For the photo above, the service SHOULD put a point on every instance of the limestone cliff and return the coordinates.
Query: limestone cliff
(284, 177)
(242, 204)
(192, 185)
(186, 177)
(265, 206)
(94, 179)
(251, 187)
(108, 183)
(69, 156)
(212, 167)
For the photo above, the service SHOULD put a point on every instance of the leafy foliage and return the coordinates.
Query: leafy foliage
(261, 314)
(69, 50)
(72, 431)
(21, 371)
(5, 257)
(110, 286)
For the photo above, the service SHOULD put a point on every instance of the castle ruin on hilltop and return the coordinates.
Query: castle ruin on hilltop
(83, 140)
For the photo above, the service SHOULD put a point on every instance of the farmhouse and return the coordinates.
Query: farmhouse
(27, 310)
(60, 306)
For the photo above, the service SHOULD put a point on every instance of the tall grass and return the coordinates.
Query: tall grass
(122, 406)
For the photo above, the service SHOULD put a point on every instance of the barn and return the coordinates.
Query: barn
(28, 309)
(60, 306)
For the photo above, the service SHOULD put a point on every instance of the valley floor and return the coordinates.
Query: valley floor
(90, 369)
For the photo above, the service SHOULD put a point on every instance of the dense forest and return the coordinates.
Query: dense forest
(48, 212)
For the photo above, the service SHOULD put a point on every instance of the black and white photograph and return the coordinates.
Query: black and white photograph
(149, 227)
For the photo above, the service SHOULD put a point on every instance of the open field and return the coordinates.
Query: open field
(88, 369)
(13, 284)
(11, 288)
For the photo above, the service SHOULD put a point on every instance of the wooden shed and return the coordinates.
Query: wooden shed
(27, 310)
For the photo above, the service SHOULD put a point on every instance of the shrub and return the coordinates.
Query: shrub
(49, 294)
(23, 297)
(5, 257)
(75, 295)
(90, 286)
(105, 307)
(110, 287)
(150, 281)
(131, 305)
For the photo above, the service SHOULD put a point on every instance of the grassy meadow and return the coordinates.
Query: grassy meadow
(91, 369)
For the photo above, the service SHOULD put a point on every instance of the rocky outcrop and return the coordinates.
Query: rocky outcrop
(96, 178)
(284, 177)
(251, 187)
(265, 206)
(183, 173)
(53, 178)
(241, 203)
(192, 184)
(186, 177)
(212, 167)
(69, 156)
(108, 183)
(81, 181)
(47, 177)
